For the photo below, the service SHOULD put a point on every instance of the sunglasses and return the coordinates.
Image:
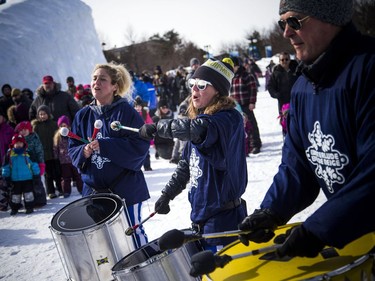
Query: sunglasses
(201, 84)
(293, 22)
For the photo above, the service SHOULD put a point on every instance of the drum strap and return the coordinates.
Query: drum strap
(231, 204)
(198, 227)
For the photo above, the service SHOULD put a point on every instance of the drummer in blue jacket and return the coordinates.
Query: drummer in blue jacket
(214, 159)
(330, 143)
(112, 161)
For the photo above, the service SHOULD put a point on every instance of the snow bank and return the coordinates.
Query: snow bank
(51, 37)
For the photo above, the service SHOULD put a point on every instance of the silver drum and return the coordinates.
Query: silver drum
(150, 263)
(90, 236)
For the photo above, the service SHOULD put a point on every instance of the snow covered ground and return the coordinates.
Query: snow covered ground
(27, 249)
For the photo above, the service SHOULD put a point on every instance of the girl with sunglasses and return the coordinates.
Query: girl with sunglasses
(213, 163)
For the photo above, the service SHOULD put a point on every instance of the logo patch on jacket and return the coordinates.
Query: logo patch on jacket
(328, 161)
(195, 171)
(96, 158)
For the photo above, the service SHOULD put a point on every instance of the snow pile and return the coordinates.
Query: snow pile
(47, 37)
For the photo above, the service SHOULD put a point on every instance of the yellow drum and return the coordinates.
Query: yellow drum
(350, 263)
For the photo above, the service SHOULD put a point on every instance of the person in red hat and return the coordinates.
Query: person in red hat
(20, 170)
(35, 150)
(59, 102)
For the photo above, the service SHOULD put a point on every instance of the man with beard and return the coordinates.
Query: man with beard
(59, 102)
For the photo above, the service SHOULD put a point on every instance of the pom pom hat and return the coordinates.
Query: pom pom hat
(18, 138)
(218, 73)
(336, 12)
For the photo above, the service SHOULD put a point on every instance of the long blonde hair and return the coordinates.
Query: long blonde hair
(218, 103)
(120, 76)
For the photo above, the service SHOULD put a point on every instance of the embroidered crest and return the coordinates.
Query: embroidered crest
(195, 171)
(328, 161)
(96, 158)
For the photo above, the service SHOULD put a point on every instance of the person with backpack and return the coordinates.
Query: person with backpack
(19, 170)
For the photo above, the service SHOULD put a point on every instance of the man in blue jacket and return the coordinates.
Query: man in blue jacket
(331, 133)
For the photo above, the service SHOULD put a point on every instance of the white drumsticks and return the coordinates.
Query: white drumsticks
(97, 126)
(116, 126)
(65, 132)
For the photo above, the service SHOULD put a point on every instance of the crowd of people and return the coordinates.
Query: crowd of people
(204, 122)
(38, 117)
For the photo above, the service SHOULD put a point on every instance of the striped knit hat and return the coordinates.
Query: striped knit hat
(218, 73)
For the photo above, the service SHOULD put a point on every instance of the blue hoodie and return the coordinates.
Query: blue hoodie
(331, 143)
(119, 150)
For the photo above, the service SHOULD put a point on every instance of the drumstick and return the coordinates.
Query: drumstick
(130, 230)
(174, 238)
(116, 126)
(206, 261)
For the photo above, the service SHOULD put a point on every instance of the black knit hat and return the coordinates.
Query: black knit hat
(336, 12)
(218, 73)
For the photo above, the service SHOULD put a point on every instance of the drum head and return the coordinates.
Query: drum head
(86, 213)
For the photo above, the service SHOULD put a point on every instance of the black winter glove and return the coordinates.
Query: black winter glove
(299, 242)
(148, 131)
(162, 205)
(261, 225)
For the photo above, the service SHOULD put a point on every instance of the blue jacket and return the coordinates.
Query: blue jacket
(19, 167)
(218, 173)
(141, 89)
(119, 150)
(331, 143)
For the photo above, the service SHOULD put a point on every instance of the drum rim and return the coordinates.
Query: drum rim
(145, 263)
(113, 215)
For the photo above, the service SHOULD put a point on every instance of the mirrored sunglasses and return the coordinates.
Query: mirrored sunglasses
(201, 84)
(292, 22)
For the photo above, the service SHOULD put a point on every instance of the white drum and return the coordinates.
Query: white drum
(151, 263)
(90, 236)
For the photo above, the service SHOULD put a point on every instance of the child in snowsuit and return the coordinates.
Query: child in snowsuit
(35, 151)
(60, 150)
(19, 170)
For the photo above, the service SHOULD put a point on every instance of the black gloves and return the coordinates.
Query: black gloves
(261, 225)
(299, 242)
(148, 131)
(162, 205)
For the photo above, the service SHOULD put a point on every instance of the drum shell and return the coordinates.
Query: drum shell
(150, 263)
(90, 254)
(350, 263)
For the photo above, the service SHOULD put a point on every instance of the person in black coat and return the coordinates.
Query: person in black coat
(282, 80)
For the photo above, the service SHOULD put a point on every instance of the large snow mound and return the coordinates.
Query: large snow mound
(47, 37)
